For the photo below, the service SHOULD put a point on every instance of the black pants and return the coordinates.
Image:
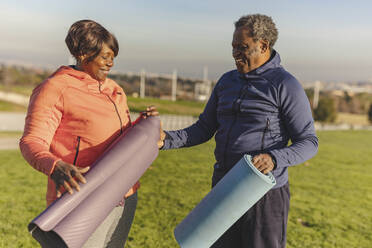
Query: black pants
(262, 226)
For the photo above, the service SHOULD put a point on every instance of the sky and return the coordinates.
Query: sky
(318, 40)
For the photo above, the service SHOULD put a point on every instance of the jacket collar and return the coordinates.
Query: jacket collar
(92, 84)
(273, 62)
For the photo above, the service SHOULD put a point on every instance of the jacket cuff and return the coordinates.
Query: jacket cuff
(52, 167)
(276, 159)
(167, 141)
(273, 159)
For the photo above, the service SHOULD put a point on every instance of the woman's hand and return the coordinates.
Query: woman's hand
(151, 111)
(64, 174)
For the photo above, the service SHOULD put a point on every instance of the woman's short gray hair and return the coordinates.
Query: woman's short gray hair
(260, 26)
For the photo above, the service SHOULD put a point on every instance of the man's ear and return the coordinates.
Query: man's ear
(264, 45)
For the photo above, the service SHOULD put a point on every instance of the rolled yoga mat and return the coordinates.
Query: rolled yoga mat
(71, 219)
(229, 199)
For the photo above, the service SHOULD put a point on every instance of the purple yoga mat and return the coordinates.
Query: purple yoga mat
(75, 217)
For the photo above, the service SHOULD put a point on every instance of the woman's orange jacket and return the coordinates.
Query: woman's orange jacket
(74, 118)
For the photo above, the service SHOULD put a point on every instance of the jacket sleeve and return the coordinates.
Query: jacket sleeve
(199, 132)
(43, 117)
(299, 124)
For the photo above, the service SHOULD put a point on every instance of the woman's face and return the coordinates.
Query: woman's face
(100, 66)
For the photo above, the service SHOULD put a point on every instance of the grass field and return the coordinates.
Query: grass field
(137, 105)
(10, 134)
(331, 195)
(353, 119)
(11, 107)
(26, 91)
(166, 106)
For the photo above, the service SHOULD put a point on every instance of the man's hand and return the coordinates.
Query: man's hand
(263, 162)
(63, 175)
(162, 137)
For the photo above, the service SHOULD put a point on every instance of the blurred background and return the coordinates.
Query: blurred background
(171, 55)
(178, 50)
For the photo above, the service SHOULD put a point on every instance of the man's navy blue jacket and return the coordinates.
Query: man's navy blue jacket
(257, 112)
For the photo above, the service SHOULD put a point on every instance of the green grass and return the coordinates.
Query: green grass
(22, 196)
(331, 197)
(23, 90)
(166, 106)
(331, 203)
(10, 134)
(137, 105)
(178, 107)
(11, 107)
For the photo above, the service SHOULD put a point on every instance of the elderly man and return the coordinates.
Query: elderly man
(255, 110)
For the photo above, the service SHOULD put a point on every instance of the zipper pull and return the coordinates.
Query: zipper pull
(264, 134)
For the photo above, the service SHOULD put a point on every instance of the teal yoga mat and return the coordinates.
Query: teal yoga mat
(229, 199)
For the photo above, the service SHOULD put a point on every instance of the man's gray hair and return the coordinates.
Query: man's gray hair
(260, 26)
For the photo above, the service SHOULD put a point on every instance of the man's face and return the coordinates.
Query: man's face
(245, 50)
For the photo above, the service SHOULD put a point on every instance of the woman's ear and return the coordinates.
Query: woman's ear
(81, 58)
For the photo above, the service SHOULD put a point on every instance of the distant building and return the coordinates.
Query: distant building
(203, 90)
(336, 88)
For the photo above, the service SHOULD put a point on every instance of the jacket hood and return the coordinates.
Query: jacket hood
(71, 71)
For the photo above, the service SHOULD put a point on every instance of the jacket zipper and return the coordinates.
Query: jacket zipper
(116, 109)
(117, 112)
(77, 150)
(232, 124)
(264, 133)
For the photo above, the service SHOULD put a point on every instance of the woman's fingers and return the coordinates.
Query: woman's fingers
(83, 169)
(74, 184)
(151, 108)
(68, 176)
(79, 176)
(151, 111)
(68, 187)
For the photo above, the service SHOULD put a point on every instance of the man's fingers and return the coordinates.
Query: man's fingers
(160, 144)
(263, 162)
(261, 167)
(260, 163)
(255, 159)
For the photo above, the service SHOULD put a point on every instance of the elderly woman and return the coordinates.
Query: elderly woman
(73, 116)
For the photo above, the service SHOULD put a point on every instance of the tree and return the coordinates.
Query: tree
(326, 110)
(370, 113)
